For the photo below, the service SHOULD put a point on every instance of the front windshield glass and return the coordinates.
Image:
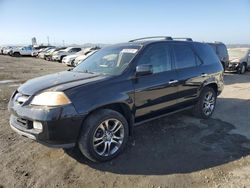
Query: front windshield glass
(110, 60)
(237, 52)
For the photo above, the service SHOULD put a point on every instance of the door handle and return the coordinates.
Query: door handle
(204, 74)
(173, 81)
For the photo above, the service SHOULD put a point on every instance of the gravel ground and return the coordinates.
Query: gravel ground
(176, 151)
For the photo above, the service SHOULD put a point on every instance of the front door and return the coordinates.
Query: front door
(155, 93)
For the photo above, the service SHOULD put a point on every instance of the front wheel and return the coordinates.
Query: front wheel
(104, 135)
(242, 69)
(16, 54)
(204, 108)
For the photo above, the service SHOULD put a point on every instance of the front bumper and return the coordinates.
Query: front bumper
(56, 58)
(61, 125)
(67, 61)
(232, 66)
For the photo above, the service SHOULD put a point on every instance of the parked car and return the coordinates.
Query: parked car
(1, 50)
(8, 50)
(43, 52)
(96, 105)
(69, 59)
(49, 54)
(62, 53)
(22, 51)
(239, 60)
(81, 58)
(38, 49)
(222, 53)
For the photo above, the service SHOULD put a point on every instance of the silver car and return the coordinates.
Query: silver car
(239, 60)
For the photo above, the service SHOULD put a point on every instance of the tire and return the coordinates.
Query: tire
(94, 128)
(242, 69)
(16, 54)
(61, 58)
(204, 108)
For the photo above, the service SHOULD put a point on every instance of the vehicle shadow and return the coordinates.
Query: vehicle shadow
(234, 78)
(175, 144)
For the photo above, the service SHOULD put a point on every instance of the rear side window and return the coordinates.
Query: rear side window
(184, 56)
(206, 53)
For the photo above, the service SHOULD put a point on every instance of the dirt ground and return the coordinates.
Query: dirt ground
(176, 151)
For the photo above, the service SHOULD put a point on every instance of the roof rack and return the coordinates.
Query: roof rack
(183, 38)
(145, 38)
(163, 37)
(217, 42)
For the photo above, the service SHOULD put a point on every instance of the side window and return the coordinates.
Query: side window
(184, 56)
(206, 53)
(222, 50)
(158, 56)
(76, 49)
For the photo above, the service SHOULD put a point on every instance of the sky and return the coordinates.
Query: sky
(114, 21)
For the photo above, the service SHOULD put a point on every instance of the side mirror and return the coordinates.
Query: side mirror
(142, 70)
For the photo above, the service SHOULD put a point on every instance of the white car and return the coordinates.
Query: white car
(22, 51)
(81, 58)
(69, 59)
(44, 51)
(8, 50)
(58, 56)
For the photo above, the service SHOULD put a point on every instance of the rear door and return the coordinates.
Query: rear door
(190, 76)
(155, 94)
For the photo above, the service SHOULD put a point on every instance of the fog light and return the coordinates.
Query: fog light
(37, 125)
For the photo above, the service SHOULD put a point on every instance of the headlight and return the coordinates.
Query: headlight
(50, 98)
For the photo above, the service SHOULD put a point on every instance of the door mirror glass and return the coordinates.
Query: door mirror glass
(142, 70)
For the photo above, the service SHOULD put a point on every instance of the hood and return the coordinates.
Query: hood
(57, 81)
(234, 59)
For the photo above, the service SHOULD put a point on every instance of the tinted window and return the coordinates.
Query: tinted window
(158, 56)
(214, 47)
(184, 56)
(76, 49)
(206, 53)
(222, 50)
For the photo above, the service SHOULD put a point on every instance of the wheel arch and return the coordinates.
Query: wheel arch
(213, 85)
(120, 107)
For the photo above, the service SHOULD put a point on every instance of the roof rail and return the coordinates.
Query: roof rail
(145, 38)
(180, 38)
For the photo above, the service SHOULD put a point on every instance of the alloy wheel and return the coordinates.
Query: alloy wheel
(108, 137)
(208, 103)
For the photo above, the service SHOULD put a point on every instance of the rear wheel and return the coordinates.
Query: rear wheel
(204, 108)
(104, 135)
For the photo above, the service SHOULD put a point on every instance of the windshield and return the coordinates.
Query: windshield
(237, 52)
(111, 60)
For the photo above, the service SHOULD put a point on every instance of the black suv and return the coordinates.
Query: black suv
(222, 53)
(96, 105)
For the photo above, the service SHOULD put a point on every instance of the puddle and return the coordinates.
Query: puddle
(8, 81)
